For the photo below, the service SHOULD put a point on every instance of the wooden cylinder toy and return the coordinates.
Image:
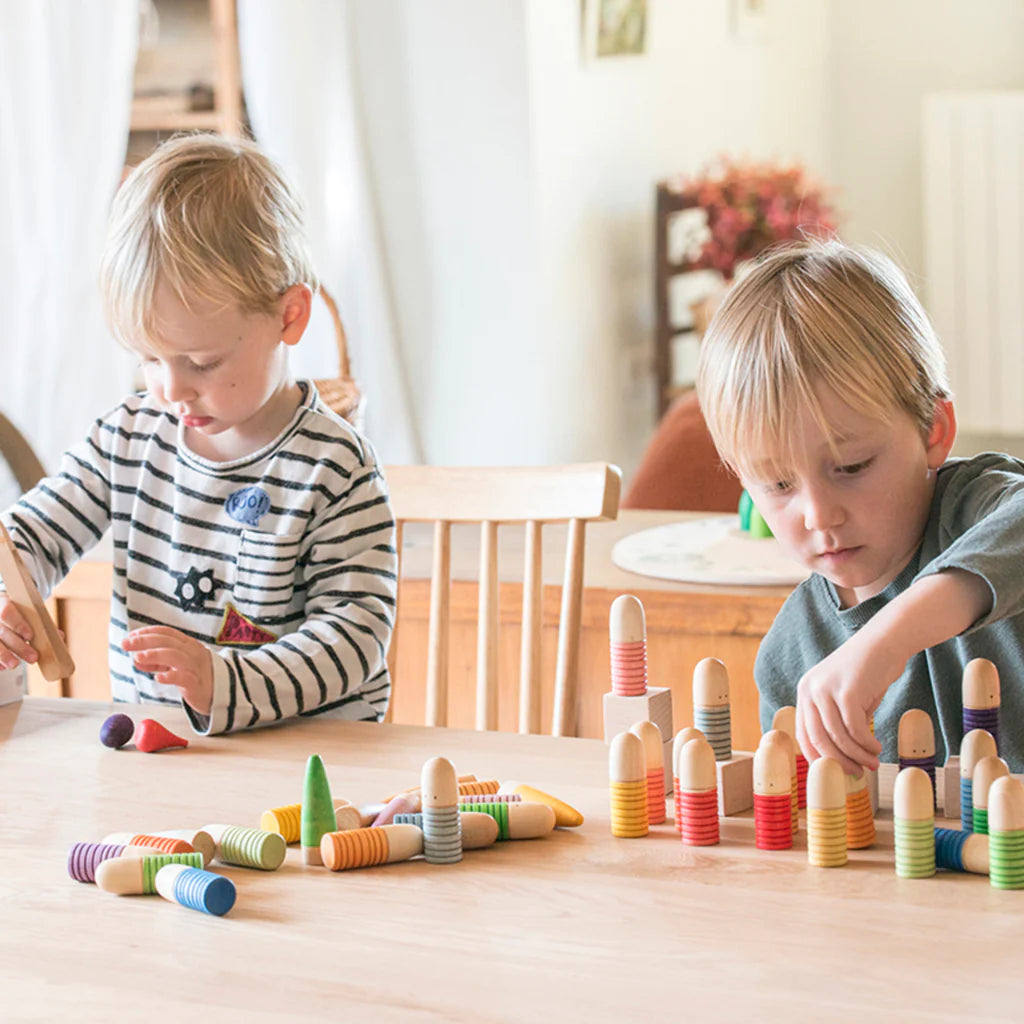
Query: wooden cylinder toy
(986, 771)
(913, 813)
(367, 847)
(200, 840)
(516, 820)
(698, 801)
(196, 889)
(403, 803)
(711, 712)
(159, 844)
(249, 847)
(439, 794)
(318, 815)
(956, 850)
(478, 830)
(566, 816)
(627, 769)
(785, 721)
(773, 793)
(83, 859)
(978, 743)
(981, 697)
(826, 814)
(627, 633)
(1005, 833)
(789, 744)
(654, 754)
(915, 742)
(679, 740)
(131, 876)
(287, 820)
(860, 818)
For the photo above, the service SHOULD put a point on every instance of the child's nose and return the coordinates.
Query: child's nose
(821, 509)
(177, 387)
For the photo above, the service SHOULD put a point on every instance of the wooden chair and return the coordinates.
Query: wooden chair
(15, 450)
(534, 496)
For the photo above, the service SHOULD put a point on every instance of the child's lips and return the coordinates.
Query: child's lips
(196, 421)
(836, 556)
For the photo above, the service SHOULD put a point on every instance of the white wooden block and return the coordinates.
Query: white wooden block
(12, 686)
(947, 785)
(621, 713)
(735, 783)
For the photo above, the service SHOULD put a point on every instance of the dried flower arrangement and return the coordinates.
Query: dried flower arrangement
(741, 208)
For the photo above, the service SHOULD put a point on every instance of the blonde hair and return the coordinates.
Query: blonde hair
(808, 315)
(211, 218)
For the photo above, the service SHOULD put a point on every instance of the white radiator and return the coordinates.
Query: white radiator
(973, 170)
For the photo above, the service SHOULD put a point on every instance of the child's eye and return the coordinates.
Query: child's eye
(778, 487)
(204, 367)
(854, 468)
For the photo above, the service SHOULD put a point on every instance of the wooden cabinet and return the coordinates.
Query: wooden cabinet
(187, 73)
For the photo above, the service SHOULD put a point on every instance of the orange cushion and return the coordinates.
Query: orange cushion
(680, 468)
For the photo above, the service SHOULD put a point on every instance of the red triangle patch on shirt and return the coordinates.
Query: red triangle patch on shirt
(238, 631)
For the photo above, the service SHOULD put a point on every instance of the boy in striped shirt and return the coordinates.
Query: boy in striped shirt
(253, 544)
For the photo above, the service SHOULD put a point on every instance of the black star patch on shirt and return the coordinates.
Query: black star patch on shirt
(194, 588)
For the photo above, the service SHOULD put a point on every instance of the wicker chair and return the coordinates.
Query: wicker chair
(341, 393)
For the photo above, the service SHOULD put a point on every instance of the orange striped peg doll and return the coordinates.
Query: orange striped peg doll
(654, 756)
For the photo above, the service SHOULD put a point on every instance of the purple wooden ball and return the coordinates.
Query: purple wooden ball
(116, 731)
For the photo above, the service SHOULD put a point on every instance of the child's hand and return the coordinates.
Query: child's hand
(835, 701)
(176, 659)
(15, 636)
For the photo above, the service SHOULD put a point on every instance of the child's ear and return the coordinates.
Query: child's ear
(942, 433)
(295, 307)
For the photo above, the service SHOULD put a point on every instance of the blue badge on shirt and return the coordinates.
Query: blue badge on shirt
(248, 505)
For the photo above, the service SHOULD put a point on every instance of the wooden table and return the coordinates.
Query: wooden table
(685, 622)
(579, 926)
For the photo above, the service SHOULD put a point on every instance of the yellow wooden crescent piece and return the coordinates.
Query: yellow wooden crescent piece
(566, 816)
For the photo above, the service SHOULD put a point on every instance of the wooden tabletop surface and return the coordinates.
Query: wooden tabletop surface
(579, 926)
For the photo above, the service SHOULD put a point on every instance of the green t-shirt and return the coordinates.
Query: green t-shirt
(976, 523)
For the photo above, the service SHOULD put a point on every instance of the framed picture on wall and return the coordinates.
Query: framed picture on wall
(614, 28)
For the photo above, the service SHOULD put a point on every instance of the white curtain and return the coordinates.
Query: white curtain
(299, 87)
(65, 96)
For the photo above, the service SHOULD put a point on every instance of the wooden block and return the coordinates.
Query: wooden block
(735, 783)
(947, 784)
(621, 713)
(886, 782)
(12, 687)
(55, 661)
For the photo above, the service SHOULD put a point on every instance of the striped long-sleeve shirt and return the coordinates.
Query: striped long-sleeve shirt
(282, 562)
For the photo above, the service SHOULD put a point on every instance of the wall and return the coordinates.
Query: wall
(886, 56)
(516, 191)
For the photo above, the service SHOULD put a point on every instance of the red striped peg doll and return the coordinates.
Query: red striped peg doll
(698, 793)
(627, 632)
(773, 793)
(681, 738)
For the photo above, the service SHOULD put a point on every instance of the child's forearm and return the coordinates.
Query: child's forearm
(930, 612)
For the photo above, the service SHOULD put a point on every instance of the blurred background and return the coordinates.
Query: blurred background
(482, 184)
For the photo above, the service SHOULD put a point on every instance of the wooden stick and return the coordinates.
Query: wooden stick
(55, 661)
